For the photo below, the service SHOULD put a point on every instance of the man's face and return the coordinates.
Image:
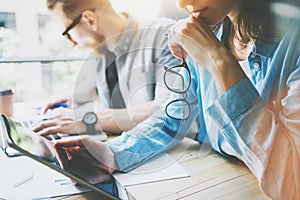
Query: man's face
(81, 33)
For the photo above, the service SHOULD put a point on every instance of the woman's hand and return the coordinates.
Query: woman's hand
(196, 39)
(86, 157)
(193, 37)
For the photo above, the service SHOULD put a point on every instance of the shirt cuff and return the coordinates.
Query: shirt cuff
(132, 150)
(234, 103)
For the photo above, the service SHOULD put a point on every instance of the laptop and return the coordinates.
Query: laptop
(16, 139)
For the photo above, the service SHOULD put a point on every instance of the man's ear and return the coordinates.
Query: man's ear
(90, 18)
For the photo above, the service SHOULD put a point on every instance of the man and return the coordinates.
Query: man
(137, 52)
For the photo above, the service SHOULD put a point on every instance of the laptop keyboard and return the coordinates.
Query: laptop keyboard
(27, 124)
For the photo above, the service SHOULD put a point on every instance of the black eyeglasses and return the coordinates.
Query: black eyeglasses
(178, 79)
(72, 25)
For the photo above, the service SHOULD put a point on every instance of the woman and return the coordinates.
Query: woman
(244, 83)
(256, 102)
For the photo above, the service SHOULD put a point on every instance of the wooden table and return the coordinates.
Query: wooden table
(212, 177)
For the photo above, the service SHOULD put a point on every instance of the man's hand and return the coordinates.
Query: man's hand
(57, 103)
(60, 120)
(87, 158)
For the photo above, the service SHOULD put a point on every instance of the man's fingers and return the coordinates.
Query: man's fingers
(44, 124)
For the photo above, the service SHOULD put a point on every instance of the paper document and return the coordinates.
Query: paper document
(161, 167)
(24, 178)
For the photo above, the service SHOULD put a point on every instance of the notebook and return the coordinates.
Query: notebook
(22, 140)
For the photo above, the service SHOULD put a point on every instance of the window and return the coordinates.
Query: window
(7, 20)
(35, 60)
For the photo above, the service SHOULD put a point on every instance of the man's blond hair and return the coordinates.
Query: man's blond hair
(73, 8)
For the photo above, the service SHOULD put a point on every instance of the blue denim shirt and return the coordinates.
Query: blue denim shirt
(256, 120)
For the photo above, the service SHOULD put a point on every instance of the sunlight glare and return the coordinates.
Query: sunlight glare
(139, 8)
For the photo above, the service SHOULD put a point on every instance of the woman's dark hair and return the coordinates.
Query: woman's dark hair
(255, 20)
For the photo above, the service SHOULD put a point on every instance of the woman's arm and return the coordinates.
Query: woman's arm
(263, 133)
(265, 137)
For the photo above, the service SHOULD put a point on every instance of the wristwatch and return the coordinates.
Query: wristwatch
(90, 119)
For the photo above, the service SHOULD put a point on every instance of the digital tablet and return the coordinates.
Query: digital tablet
(30, 144)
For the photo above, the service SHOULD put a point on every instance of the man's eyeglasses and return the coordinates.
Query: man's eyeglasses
(72, 25)
(178, 79)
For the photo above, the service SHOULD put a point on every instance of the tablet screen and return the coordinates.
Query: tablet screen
(30, 141)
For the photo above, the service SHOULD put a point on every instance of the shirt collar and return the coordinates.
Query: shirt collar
(126, 36)
(266, 47)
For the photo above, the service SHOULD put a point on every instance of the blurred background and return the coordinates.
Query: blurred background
(38, 63)
(36, 60)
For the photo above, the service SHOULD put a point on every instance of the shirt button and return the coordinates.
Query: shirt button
(253, 55)
(256, 65)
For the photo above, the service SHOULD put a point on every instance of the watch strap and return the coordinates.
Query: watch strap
(90, 128)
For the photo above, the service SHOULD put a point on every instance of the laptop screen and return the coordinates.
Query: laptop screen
(41, 149)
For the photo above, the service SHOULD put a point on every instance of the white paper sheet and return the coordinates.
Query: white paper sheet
(162, 167)
(24, 178)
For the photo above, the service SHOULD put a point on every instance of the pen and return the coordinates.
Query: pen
(64, 105)
(23, 181)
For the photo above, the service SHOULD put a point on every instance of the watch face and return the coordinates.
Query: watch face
(90, 118)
